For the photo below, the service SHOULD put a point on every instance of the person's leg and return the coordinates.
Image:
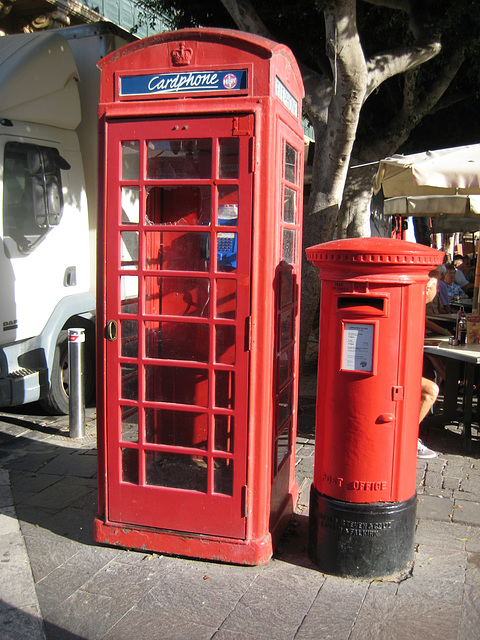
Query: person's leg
(428, 397)
(439, 367)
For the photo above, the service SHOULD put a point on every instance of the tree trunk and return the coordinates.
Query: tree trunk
(354, 217)
(335, 140)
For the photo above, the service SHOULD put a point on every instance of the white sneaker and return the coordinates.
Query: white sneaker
(424, 452)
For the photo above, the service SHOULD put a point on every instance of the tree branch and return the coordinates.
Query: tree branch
(402, 5)
(346, 98)
(245, 17)
(450, 101)
(418, 11)
(388, 141)
(438, 88)
(387, 65)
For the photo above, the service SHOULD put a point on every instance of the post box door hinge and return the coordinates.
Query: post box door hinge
(242, 125)
(397, 393)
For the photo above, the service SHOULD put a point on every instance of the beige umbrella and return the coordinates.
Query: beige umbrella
(442, 172)
(435, 206)
(443, 185)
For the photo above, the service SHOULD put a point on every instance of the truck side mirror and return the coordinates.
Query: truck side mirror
(43, 166)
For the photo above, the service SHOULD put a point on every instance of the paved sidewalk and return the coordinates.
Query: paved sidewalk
(55, 583)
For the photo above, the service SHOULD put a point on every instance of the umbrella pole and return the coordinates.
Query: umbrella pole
(477, 280)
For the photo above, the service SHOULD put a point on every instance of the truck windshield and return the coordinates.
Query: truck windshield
(32, 193)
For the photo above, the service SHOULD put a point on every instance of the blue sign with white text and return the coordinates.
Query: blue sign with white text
(183, 82)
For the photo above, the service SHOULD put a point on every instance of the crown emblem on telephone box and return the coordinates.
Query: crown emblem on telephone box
(182, 56)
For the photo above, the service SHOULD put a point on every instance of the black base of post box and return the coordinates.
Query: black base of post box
(361, 540)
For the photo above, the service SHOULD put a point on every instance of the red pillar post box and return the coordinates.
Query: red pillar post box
(201, 167)
(372, 319)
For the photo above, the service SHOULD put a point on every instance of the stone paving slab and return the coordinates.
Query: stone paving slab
(20, 617)
(89, 592)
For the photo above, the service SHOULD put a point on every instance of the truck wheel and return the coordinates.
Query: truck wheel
(56, 402)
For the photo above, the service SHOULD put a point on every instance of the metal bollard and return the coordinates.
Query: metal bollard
(76, 382)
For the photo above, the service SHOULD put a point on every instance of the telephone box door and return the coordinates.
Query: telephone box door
(178, 236)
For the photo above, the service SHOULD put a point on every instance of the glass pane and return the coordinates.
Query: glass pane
(226, 306)
(224, 433)
(226, 251)
(223, 476)
(289, 204)
(129, 250)
(129, 338)
(179, 159)
(228, 205)
(225, 344)
(180, 296)
(290, 164)
(177, 341)
(130, 160)
(177, 251)
(286, 327)
(130, 465)
(129, 424)
(129, 287)
(176, 471)
(284, 406)
(176, 385)
(288, 253)
(286, 287)
(130, 205)
(285, 362)
(229, 148)
(176, 428)
(179, 205)
(129, 307)
(153, 340)
(283, 446)
(225, 389)
(129, 375)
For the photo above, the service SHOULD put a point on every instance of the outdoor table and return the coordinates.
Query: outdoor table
(444, 317)
(447, 320)
(467, 355)
(467, 304)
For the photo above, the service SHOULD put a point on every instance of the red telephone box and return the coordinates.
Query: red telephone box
(201, 166)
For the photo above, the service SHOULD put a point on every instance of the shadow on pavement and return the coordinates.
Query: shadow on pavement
(16, 624)
(54, 489)
(53, 486)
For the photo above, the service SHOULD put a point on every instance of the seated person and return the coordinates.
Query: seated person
(462, 267)
(468, 268)
(440, 303)
(429, 389)
(454, 289)
(432, 327)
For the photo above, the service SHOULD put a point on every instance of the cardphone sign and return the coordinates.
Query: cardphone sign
(185, 82)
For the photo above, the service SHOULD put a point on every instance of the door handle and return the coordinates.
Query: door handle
(111, 330)
(385, 418)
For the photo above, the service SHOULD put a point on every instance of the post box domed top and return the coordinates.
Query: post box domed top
(380, 253)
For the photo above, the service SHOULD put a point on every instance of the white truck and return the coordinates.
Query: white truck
(49, 91)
